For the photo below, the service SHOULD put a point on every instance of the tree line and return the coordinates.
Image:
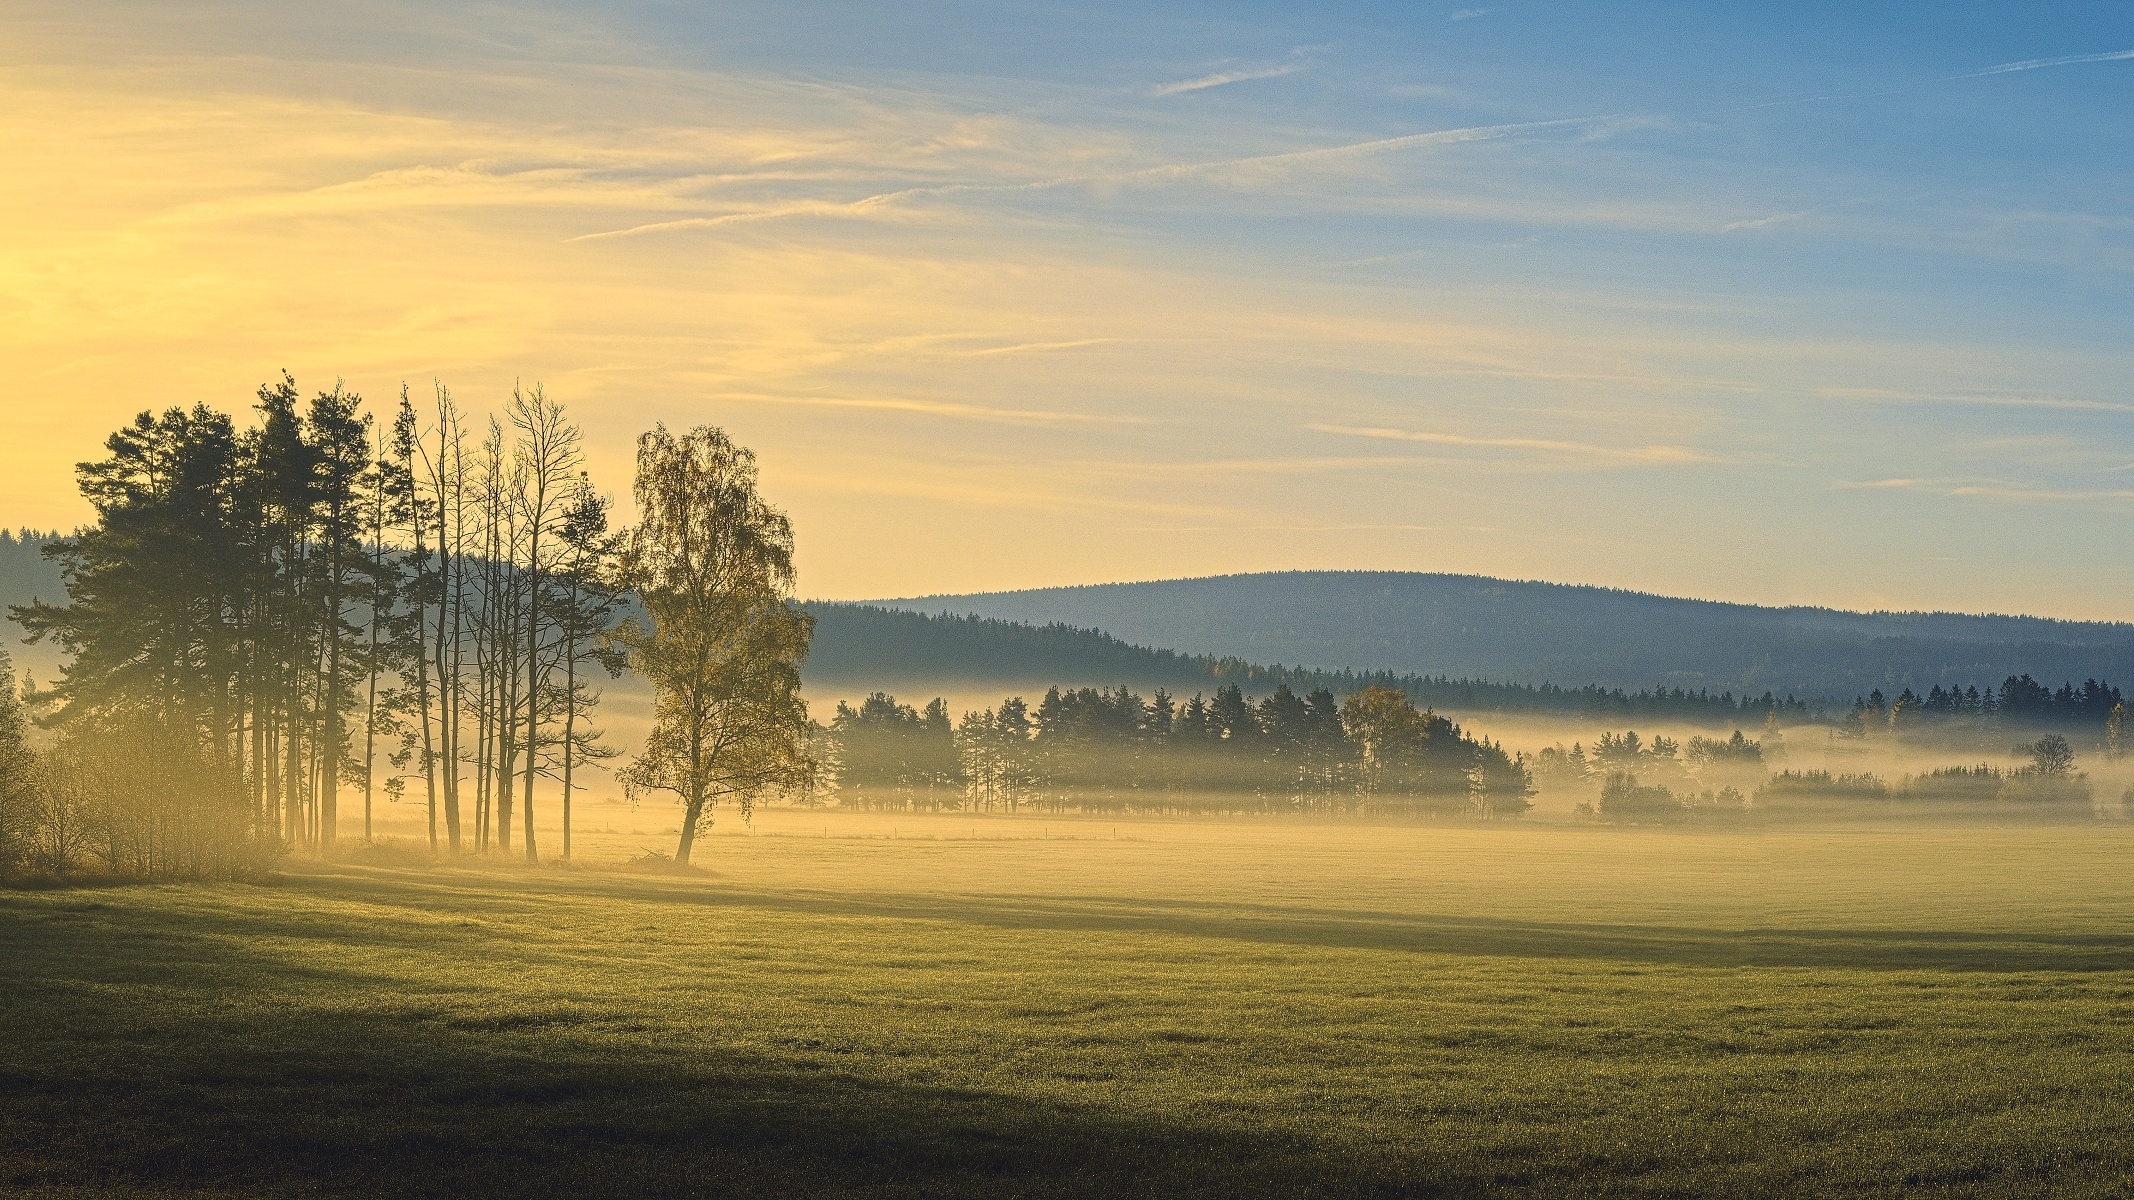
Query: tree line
(860, 642)
(1113, 750)
(263, 621)
(1625, 779)
(2093, 704)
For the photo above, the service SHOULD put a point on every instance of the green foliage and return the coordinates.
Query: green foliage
(720, 640)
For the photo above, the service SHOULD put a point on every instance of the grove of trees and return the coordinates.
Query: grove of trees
(263, 622)
(1112, 750)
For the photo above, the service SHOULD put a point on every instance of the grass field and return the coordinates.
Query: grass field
(1060, 1008)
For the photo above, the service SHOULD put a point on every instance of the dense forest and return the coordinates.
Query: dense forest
(27, 574)
(857, 643)
(1111, 750)
(1531, 632)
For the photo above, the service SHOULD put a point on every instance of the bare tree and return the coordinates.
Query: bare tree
(548, 456)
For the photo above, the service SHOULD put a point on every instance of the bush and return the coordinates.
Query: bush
(1624, 802)
(1955, 785)
(140, 798)
(2046, 791)
(1819, 791)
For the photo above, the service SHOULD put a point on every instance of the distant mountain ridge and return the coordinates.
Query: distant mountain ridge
(897, 649)
(1535, 632)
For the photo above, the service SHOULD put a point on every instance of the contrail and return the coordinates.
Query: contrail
(2032, 64)
(2028, 64)
(1223, 77)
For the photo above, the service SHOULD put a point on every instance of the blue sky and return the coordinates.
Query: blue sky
(1771, 304)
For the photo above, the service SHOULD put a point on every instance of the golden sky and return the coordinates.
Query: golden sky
(1008, 299)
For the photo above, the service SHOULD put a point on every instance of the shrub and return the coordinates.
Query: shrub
(1810, 790)
(1624, 802)
(1955, 785)
(137, 797)
(2032, 789)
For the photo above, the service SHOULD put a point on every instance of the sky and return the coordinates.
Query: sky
(1775, 303)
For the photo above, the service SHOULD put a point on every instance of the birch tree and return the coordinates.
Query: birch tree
(720, 639)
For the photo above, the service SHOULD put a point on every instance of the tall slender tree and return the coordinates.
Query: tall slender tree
(548, 454)
(585, 607)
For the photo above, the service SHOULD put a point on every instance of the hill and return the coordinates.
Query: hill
(1528, 632)
(867, 648)
(26, 575)
(872, 647)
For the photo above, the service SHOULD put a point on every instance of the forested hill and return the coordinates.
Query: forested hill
(1466, 625)
(872, 647)
(25, 575)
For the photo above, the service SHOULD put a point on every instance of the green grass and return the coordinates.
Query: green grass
(1190, 1009)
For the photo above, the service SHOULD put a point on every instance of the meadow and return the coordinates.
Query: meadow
(853, 1005)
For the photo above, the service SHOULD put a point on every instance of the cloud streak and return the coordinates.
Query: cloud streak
(2039, 64)
(1895, 396)
(1221, 78)
(944, 408)
(1656, 454)
(1168, 172)
(1989, 490)
(1762, 222)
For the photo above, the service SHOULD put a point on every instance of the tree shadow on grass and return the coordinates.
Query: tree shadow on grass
(1878, 949)
(178, 1058)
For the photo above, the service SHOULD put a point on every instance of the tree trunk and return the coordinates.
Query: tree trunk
(507, 719)
(533, 660)
(689, 831)
(422, 696)
(570, 722)
(370, 721)
(292, 769)
(447, 684)
(330, 751)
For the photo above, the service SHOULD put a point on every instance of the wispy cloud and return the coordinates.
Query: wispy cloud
(1034, 347)
(1469, 14)
(868, 205)
(943, 408)
(2028, 64)
(1226, 77)
(2035, 64)
(1763, 222)
(1861, 485)
(1987, 399)
(1308, 529)
(1989, 490)
(1658, 455)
